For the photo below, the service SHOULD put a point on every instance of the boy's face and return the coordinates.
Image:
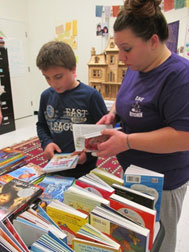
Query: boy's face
(60, 78)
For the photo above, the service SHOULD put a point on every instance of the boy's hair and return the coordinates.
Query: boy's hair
(56, 53)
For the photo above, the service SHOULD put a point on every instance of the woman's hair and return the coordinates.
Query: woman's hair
(144, 18)
(56, 53)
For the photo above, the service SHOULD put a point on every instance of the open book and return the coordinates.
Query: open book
(61, 162)
(88, 136)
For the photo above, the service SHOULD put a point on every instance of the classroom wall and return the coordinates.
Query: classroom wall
(42, 16)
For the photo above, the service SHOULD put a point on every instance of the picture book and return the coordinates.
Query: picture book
(31, 225)
(67, 218)
(81, 199)
(61, 162)
(80, 130)
(95, 186)
(46, 242)
(11, 231)
(131, 236)
(8, 154)
(145, 181)
(16, 194)
(134, 195)
(11, 166)
(7, 242)
(108, 177)
(29, 173)
(15, 238)
(88, 238)
(140, 214)
(54, 186)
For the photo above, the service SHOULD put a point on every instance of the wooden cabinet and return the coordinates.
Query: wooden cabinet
(8, 123)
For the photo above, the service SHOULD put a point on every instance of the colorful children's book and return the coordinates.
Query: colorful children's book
(61, 162)
(54, 186)
(67, 218)
(95, 186)
(88, 238)
(19, 194)
(29, 173)
(145, 181)
(8, 154)
(108, 177)
(140, 214)
(31, 225)
(81, 199)
(134, 195)
(131, 236)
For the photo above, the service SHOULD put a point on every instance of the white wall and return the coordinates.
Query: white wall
(44, 15)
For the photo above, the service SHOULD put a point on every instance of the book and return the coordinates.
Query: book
(61, 162)
(49, 243)
(8, 243)
(108, 177)
(69, 219)
(9, 154)
(29, 173)
(16, 195)
(13, 165)
(88, 238)
(80, 130)
(31, 225)
(145, 181)
(13, 235)
(81, 199)
(54, 186)
(134, 195)
(140, 214)
(102, 189)
(131, 236)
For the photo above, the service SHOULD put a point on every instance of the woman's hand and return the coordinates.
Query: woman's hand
(50, 149)
(107, 119)
(116, 143)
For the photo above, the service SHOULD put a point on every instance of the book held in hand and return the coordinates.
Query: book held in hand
(61, 162)
(145, 181)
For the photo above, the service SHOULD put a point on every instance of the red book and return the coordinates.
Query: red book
(140, 214)
(95, 187)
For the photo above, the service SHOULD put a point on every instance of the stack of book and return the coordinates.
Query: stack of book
(10, 159)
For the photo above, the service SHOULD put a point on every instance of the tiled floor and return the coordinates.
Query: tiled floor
(25, 129)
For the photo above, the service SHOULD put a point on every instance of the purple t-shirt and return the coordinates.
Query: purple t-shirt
(153, 100)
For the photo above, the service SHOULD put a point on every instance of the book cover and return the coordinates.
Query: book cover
(108, 177)
(8, 154)
(54, 186)
(61, 162)
(131, 237)
(80, 130)
(88, 238)
(29, 172)
(81, 199)
(64, 214)
(134, 195)
(15, 194)
(94, 187)
(145, 181)
(140, 214)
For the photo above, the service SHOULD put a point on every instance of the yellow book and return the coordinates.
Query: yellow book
(67, 216)
(108, 177)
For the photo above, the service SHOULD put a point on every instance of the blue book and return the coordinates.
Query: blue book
(54, 186)
(145, 181)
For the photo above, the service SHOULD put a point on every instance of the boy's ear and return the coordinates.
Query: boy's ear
(74, 69)
(154, 41)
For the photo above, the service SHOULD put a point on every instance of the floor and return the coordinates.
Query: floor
(25, 129)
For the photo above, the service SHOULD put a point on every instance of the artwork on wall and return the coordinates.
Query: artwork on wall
(67, 33)
(172, 42)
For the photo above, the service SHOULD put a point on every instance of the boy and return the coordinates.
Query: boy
(67, 101)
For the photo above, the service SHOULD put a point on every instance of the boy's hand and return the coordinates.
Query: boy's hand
(82, 156)
(50, 149)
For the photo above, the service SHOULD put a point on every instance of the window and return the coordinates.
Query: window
(96, 73)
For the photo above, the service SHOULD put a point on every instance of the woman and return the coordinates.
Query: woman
(153, 106)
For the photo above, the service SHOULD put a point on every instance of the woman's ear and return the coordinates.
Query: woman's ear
(154, 41)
